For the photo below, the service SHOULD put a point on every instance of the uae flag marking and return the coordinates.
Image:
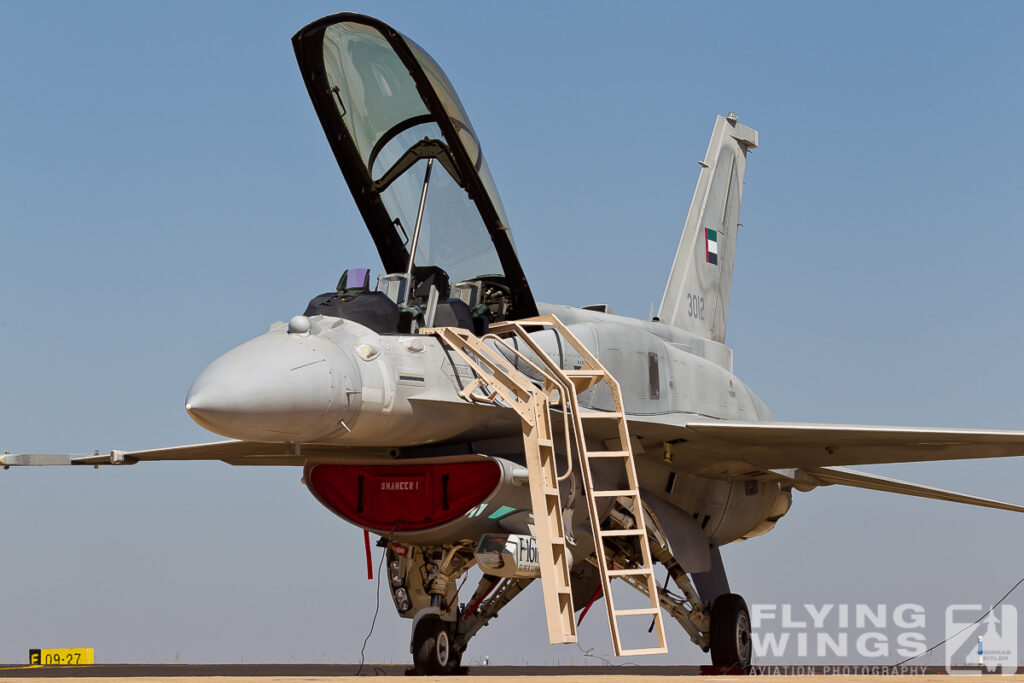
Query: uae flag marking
(711, 246)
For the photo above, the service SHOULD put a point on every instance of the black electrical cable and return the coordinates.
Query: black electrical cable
(589, 652)
(973, 623)
(362, 650)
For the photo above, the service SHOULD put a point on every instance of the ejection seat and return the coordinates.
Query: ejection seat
(354, 301)
(385, 311)
(449, 312)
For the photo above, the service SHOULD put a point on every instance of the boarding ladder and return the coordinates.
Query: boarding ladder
(498, 377)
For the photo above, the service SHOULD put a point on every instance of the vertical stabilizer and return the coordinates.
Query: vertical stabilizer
(697, 295)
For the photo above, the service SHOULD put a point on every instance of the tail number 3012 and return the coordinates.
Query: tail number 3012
(695, 306)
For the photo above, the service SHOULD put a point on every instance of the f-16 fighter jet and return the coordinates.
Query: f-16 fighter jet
(444, 410)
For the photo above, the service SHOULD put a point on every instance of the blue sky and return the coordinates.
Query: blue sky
(166, 193)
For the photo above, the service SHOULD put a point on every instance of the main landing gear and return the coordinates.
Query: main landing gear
(730, 632)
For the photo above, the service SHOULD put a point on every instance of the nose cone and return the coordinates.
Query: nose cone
(277, 387)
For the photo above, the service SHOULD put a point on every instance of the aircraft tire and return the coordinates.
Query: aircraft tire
(730, 632)
(432, 647)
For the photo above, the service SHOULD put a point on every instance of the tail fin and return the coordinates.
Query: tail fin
(697, 295)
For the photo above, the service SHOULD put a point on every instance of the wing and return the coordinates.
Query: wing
(809, 455)
(231, 452)
(738, 449)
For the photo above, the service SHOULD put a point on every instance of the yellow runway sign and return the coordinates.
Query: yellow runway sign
(61, 657)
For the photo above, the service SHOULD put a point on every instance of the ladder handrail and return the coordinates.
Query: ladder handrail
(646, 560)
(483, 357)
(564, 384)
(520, 331)
(452, 339)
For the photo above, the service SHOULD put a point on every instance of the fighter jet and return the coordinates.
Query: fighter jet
(445, 411)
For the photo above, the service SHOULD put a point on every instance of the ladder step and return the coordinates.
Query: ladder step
(608, 454)
(614, 492)
(644, 651)
(550, 491)
(564, 590)
(621, 532)
(636, 612)
(628, 572)
(583, 372)
(584, 383)
(597, 415)
(546, 442)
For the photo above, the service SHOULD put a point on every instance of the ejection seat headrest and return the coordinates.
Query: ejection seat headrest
(425, 276)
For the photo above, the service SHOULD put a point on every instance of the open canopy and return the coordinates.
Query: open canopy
(387, 108)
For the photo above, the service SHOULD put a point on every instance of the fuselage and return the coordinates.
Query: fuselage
(328, 380)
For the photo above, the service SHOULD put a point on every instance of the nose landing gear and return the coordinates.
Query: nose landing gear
(432, 648)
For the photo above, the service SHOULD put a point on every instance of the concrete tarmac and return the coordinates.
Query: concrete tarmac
(309, 673)
(556, 678)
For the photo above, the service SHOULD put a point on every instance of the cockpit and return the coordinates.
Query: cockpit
(433, 301)
(415, 169)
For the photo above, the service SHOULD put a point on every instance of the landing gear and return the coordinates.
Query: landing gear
(730, 632)
(432, 648)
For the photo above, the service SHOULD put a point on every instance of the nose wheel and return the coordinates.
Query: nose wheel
(730, 632)
(432, 648)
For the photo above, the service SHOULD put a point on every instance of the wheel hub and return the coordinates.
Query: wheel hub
(743, 641)
(442, 651)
